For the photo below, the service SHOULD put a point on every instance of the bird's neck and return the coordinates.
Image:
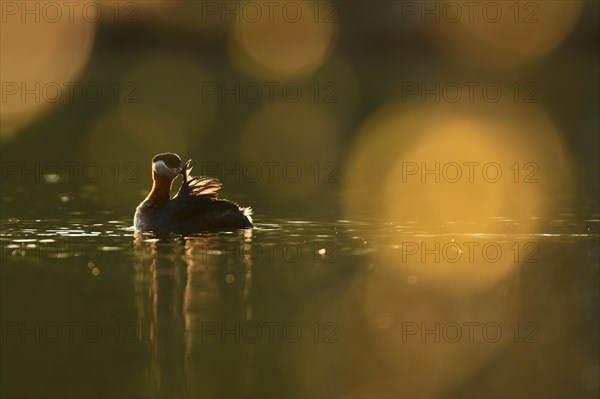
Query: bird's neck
(161, 188)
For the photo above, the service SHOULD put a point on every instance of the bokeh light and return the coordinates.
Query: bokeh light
(467, 176)
(429, 349)
(503, 34)
(438, 164)
(48, 37)
(287, 41)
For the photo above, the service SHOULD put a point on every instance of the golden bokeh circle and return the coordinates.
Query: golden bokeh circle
(291, 40)
(42, 54)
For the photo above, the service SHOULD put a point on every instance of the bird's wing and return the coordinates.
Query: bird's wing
(197, 198)
(197, 187)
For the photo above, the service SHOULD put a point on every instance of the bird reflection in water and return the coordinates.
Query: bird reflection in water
(184, 285)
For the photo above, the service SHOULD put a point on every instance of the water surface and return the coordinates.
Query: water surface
(299, 308)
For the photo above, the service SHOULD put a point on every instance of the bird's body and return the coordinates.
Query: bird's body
(195, 208)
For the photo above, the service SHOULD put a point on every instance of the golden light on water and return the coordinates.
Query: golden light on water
(439, 323)
(504, 34)
(295, 41)
(62, 46)
(431, 348)
(469, 177)
(411, 164)
(421, 236)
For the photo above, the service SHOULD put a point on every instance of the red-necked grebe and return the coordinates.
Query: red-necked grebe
(195, 208)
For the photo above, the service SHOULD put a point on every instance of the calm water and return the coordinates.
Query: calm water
(299, 309)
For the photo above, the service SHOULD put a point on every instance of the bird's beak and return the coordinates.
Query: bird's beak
(178, 170)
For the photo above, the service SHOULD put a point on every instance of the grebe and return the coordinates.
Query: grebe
(195, 208)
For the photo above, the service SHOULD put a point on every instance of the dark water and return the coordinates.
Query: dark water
(299, 309)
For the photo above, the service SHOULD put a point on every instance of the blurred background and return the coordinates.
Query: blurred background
(342, 92)
(363, 134)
